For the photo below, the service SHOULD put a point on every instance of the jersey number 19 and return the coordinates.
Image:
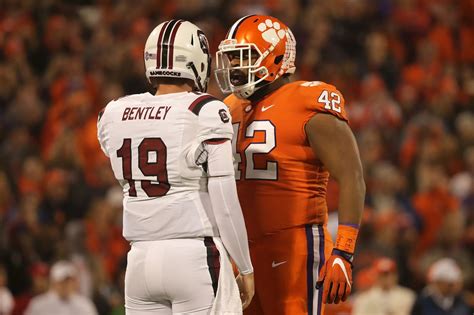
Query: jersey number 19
(156, 168)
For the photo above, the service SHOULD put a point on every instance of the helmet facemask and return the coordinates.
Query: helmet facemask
(238, 68)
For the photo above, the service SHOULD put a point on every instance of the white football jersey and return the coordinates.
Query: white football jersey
(154, 143)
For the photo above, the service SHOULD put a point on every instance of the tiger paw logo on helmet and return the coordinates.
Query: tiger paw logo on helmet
(271, 31)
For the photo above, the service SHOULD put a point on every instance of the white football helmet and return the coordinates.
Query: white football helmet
(178, 49)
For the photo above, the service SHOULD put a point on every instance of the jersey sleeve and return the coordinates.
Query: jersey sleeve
(320, 97)
(214, 120)
(101, 131)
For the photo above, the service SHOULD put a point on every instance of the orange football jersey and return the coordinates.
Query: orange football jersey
(280, 181)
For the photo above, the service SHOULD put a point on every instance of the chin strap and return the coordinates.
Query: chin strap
(197, 81)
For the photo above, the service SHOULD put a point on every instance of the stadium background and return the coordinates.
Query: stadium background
(405, 67)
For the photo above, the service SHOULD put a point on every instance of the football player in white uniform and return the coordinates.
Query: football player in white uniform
(172, 154)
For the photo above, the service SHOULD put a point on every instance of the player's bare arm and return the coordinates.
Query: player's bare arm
(337, 149)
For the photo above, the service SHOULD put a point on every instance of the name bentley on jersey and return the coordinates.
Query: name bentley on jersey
(151, 112)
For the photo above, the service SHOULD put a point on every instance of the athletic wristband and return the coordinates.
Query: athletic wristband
(346, 237)
(347, 256)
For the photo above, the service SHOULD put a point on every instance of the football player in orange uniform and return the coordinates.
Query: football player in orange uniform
(288, 138)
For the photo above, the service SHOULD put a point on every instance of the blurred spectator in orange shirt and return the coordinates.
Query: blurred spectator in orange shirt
(433, 202)
(376, 108)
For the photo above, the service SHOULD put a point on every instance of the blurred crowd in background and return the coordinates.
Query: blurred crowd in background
(405, 68)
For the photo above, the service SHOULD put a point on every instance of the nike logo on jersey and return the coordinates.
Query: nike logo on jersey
(338, 261)
(266, 108)
(275, 264)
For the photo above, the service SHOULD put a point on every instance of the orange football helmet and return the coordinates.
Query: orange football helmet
(257, 50)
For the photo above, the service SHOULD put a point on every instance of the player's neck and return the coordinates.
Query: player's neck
(173, 88)
(268, 89)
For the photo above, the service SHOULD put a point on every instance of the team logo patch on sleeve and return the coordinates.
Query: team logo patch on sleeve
(224, 117)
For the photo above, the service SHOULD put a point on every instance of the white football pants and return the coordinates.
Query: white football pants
(179, 276)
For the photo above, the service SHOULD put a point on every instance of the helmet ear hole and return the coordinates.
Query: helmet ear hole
(202, 66)
(278, 59)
